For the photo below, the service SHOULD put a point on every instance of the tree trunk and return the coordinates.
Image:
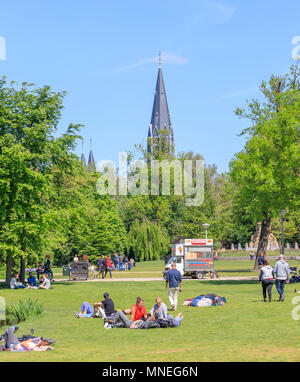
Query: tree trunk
(263, 239)
(9, 266)
(22, 270)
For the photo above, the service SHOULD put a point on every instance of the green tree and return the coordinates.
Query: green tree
(147, 241)
(266, 172)
(28, 152)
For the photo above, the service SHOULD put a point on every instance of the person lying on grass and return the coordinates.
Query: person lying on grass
(121, 321)
(13, 344)
(87, 311)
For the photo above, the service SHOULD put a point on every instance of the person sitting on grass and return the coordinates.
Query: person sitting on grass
(45, 282)
(159, 310)
(108, 306)
(14, 283)
(31, 280)
(121, 321)
(138, 310)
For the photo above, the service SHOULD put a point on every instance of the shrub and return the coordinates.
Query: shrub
(22, 311)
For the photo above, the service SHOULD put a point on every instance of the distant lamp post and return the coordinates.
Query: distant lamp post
(282, 214)
(206, 226)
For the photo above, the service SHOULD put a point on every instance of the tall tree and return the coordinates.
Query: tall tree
(266, 173)
(28, 152)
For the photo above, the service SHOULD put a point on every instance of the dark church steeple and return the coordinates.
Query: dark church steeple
(82, 155)
(160, 119)
(91, 162)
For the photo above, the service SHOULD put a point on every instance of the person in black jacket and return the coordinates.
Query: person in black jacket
(101, 265)
(261, 260)
(108, 305)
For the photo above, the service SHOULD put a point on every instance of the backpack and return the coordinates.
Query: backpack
(163, 323)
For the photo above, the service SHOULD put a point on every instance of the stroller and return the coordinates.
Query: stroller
(294, 277)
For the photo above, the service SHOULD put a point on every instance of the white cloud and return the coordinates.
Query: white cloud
(224, 11)
(167, 58)
(238, 93)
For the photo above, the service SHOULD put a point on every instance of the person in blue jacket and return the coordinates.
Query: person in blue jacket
(31, 280)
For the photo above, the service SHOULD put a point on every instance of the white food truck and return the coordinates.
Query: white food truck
(193, 257)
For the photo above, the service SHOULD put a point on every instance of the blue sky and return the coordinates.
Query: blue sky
(104, 52)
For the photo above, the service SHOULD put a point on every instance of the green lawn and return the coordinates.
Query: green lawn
(245, 329)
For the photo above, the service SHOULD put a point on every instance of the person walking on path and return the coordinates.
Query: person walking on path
(108, 267)
(174, 281)
(282, 271)
(261, 260)
(266, 277)
(102, 266)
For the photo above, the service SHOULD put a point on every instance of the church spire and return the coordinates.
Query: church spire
(82, 154)
(91, 161)
(160, 118)
(159, 59)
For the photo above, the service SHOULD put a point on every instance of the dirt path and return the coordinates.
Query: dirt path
(143, 279)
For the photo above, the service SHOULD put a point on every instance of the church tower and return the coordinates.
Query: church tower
(160, 120)
(82, 155)
(91, 162)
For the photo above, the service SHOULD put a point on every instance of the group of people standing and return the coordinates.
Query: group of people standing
(267, 276)
(107, 265)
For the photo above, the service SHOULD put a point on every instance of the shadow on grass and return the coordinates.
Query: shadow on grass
(266, 302)
(232, 282)
(53, 284)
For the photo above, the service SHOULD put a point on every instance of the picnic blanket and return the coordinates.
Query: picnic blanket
(205, 300)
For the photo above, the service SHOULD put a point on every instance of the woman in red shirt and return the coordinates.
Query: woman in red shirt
(108, 267)
(138, 310)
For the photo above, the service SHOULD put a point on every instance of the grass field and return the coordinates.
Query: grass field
(245, 329)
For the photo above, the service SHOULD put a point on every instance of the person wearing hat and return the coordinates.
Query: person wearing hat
(282, 272)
